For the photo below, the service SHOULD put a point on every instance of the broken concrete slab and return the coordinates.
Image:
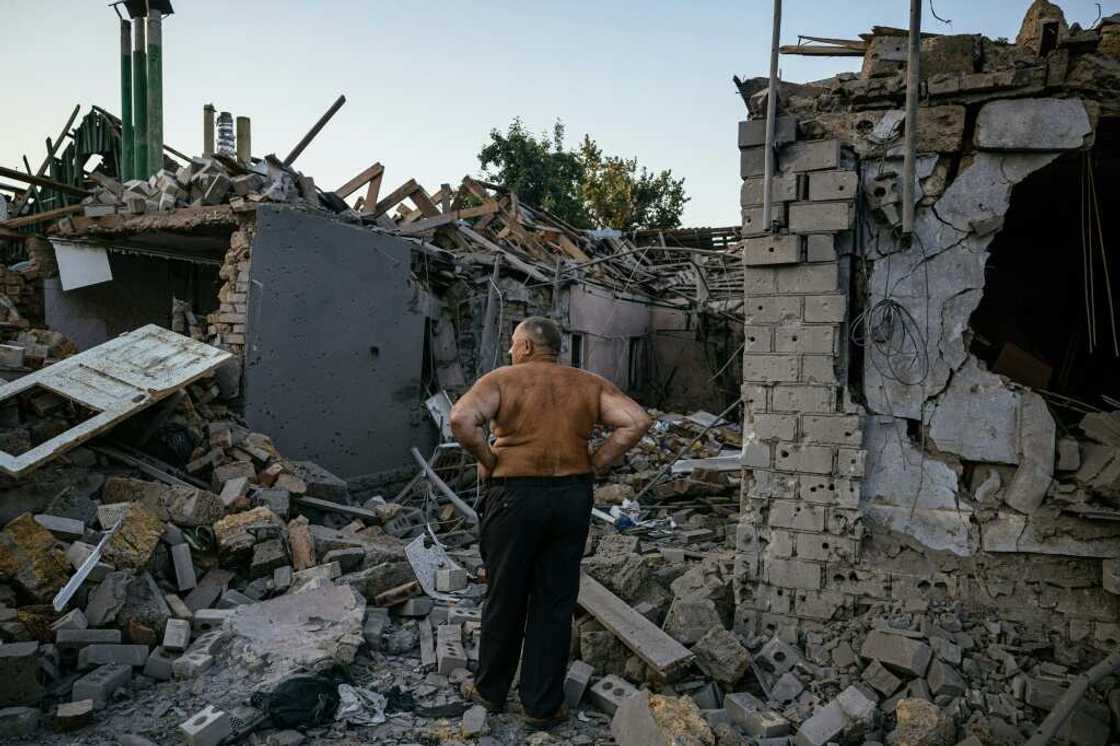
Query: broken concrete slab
(977, 417)
(720, 653)
(897, 652)
(133, 543)
(922, 723)
(183, 506)
(302, 630)
(1033, 124)
(30, 557)
(645, 719)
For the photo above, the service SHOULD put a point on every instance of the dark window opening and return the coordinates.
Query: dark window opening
(34, 416)
(577, 350)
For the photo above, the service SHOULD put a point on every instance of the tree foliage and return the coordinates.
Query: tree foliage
(585, 187)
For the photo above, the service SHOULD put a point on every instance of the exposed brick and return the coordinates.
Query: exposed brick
(758, 339)
(803, 458)
(839, 429)
(772, 310)
(760, 281)
(825, 308)
(808, 278)
(752, 132)
(768, 368)
(755, 225)
(820, 217)
(781, 544)
(825, 547)
(801, 398)
(783, 188)
(820, 339)
(796, 515)
(850, 462)
(793, 574)
(755, 397)
(810, 155)
(819, 605)
(772, 249)
(842, 521)
(826, 185)
(775, 426)
(757, 455)
(820, 247)
(818, 369)
(861, 582)
(836, 491)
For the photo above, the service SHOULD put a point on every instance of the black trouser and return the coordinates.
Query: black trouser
(532, 537)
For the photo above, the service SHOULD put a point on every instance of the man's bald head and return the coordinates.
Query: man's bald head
(534, 338)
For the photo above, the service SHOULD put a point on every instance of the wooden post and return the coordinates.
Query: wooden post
(771, 118)
(913, 89)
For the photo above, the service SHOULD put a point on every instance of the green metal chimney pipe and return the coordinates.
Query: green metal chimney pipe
(155, 90)
(125, 167)
(139, 101)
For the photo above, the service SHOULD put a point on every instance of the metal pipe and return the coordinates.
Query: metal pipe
(208, 112)
(466, 510)
(124, 170)
(771, 118)
(155, 90)
(913, 86)
(139, 100)
(244, 140)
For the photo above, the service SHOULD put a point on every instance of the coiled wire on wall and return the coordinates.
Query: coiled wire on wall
(894, 340)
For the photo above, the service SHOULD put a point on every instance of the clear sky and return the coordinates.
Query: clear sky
(425, 82)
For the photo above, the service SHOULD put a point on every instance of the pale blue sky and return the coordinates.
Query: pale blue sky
(425, 82)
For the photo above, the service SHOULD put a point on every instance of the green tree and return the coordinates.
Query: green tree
(585, 187)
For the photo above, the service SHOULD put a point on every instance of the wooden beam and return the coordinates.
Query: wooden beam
(421, 199)
(360, 180)
(654, 647)
(371, 192)
(398, 194)
(850, 43)
(58, 186)
(41, 217)
(812, 50)
(444, 218)
(51, 148)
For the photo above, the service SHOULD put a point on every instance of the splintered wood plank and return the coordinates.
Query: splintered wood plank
(395, 197)
(419, 226)
(374, 171)
(645, 638)
(116, 380)
(370, 200)
(421, 199)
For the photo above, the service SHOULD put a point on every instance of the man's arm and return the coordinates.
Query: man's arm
(629, 422)
(470, 416)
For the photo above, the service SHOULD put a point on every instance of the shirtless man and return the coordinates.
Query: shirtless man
(537, 509)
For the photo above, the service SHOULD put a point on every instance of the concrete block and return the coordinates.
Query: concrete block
(176, 635)
(754, 225)
(810, 155)
(159, 665)
(20, 678)
(752, 162)
(810, 339)
(802, 399)
(850, 462)
(752, 132)
(819, 369)
(833, 185)
(898, 653)
(820, 247)
(609, 692)
(74, 639)
(829, 309)
(231, 599)
(825, 547)
(783, 188)
(772, 249)
(192, 664)
(415, 607)
(350, 559)
(73, 619)
(820, 217)
(823, 727)
(805, 279)
(758, 339)
(766, 724)
(1110, 575)
(770, 368)
(777, 656)
(773, 310)
(209, 642)
(268, 556)
(92, 656)
(450, 579)
(839, 429)
(17, 723)
(760, 281)
(842, 493)
(796, 516)
(1038, 124)
(207, 727)
(576, 682)
(757, 456)
(208, 619)
(774, 426)
(65, 529)
(793, 573)
(741, 704)
(73, 715)
(880, 679)
(234, 491)
(184, 567)
(11, 356)
(806, 459)
(943, 679)
(100, 683)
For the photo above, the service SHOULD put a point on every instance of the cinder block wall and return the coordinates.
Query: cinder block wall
(800, 506)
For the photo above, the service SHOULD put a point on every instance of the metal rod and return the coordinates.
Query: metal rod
(1066, 704)
(155, 91)
(139, 100)
(208, 112)
(124, 171)
(244, 140)
(913, 86)
(771, 118)
(462, 507)
(299, 148)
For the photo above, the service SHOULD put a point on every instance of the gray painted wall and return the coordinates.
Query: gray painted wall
(335, 344)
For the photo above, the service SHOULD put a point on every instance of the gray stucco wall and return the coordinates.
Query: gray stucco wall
(335, 344)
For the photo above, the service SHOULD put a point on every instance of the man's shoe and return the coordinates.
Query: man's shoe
(547, 723)
(470, 693)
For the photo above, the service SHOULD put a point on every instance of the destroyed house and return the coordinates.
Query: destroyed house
(932, 417)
